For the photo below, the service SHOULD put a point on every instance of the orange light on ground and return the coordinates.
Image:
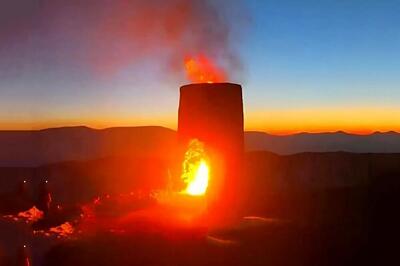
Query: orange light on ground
(201, 69)
(195, 169)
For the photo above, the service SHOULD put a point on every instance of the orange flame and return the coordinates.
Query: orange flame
(195, 169)
(202, 70)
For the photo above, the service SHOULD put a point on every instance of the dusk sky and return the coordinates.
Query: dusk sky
(312, 65)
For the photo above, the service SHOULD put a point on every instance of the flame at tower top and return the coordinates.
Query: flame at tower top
(201, 69)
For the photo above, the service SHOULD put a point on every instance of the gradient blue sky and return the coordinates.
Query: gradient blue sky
(307, 66)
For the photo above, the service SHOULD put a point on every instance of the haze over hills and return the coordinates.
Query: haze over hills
(378, 142)
(34, 148)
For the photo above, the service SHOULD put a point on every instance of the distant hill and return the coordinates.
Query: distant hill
(323, 142)
(34, 148)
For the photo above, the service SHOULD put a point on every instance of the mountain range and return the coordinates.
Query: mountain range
(35, 148)
(378, 142)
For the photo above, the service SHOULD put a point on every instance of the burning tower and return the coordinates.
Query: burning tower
(212, 113)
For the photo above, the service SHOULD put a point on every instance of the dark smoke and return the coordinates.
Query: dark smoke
(109, 35)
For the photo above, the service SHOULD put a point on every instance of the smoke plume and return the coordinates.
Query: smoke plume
(109, 35)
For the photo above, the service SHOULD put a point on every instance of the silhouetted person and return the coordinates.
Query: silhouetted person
(23, 190)
(17, 201)
(45, 199)
(23, 257)
(54, 214)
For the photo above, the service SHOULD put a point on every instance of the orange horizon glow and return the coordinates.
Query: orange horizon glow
(354, 120)
(269, 130)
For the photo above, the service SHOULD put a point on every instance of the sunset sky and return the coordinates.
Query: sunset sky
(312, 65)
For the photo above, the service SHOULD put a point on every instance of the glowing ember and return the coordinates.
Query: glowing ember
(31, 215)
(64, 229)
(202, 70)
(195, 169)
